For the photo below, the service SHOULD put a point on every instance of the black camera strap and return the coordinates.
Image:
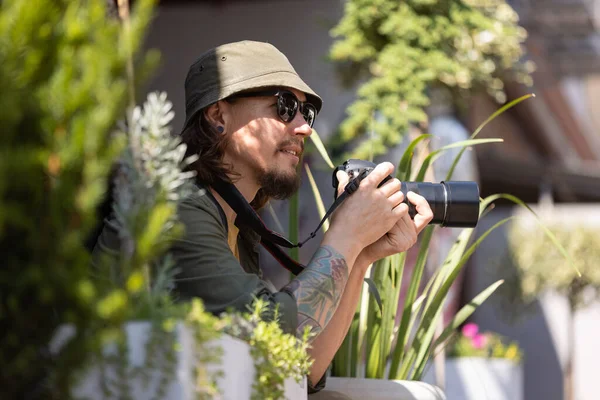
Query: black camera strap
(270, 240)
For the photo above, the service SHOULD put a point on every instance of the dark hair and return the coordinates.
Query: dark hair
(202, 138)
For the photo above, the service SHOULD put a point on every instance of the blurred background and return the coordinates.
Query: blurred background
(550, 157)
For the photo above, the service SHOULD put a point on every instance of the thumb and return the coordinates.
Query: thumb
(343, 179)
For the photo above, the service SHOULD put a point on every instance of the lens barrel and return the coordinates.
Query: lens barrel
(454, 203)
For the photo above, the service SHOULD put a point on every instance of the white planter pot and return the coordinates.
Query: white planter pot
(472, 378)
(382, 389)
(235, 382)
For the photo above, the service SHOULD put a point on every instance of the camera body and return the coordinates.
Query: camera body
(454, 203)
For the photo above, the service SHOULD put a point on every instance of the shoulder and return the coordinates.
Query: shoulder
(199, 211)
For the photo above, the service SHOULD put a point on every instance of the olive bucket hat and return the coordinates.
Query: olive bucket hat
(236, 67)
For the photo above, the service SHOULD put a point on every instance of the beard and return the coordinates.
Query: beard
(278, 184)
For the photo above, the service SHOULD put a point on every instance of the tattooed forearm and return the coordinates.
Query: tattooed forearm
(319, 288)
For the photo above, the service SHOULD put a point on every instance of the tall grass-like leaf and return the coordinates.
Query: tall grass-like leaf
(465, 312)
(387, 324)
(321, 148)
(365, 303)
(461, 316)
(318, 199)
(547, 231)
(409, 299)
(356, 341)
(275, 218)
(374, 316)
(377, 339)
(434, 155)
(341, 360)
(454, 255)
(481, 126)
(404, 167)
(426, 329)
(294, 216)
(374, 292)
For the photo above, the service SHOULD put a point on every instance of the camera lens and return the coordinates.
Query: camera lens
(454, 203)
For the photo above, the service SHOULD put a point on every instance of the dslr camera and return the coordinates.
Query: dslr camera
(454, 203)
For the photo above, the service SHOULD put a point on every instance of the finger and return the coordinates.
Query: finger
(396, 199)
(400, 210)
(405, 232)
(378, 174)
(390, 187)
(424, 214)
(408, 228)
(343, 179)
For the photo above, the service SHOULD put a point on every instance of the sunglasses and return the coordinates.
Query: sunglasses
(287, 104)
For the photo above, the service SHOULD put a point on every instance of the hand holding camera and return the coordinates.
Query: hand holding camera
(446, 203)
(454, 203)
(367, 212)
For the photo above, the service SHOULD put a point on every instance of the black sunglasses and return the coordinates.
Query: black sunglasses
(287, 104)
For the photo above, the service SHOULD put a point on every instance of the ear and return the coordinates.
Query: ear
(217, 115)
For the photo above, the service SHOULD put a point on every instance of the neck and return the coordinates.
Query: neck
(246, 188)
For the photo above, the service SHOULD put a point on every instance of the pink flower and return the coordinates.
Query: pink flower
(470, 330)
(479, 341)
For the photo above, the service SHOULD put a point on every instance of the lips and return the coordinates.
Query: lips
(292, 149)
(292, 152)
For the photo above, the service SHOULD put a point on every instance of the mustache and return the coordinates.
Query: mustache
(293, 142)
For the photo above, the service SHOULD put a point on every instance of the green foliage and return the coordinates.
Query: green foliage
(276, 355)
(205, 328)
(62, 73)
(148, 186)
(540, 267)
(399, 50)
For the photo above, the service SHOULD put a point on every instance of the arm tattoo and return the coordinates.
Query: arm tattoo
(319, 288)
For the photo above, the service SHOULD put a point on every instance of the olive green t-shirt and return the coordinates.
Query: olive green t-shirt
(207, 268)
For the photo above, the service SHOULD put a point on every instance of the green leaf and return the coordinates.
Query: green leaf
(321, 148)
(466, 311)
(318, 199)
(151, 236)
(488, 200)
(426, 329)
(431, 157)
(480, 128)
(293, 218)
(373, 290)
(411, 294)
(404, 167)
(269, 207)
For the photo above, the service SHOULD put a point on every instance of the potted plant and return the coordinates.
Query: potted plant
(481, 365)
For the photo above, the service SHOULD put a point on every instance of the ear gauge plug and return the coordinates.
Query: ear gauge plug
(220, 129)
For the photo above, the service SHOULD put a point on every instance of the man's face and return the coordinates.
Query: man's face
(263, 148)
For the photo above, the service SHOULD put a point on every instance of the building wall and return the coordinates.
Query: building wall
(300, 29)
